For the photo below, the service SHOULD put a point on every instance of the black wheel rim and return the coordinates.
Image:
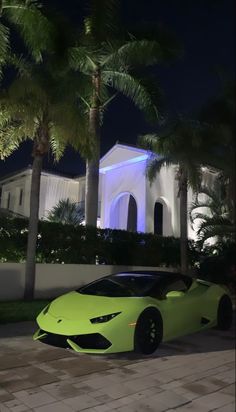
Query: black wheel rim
(148, 335)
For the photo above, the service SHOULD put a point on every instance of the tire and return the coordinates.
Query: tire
(148, 332)
(224, 313)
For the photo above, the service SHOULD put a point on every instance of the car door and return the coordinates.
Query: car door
(177, 309)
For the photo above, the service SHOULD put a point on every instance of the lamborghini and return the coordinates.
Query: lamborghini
(133, 311)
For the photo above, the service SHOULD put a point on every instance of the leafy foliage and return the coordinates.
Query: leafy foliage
(111, 57)
(35, 29)
(178, 144)
(20, 311)
(219, 137)
(36, 101)
(66, 212)
(4, 45)
(210, 214)
(63, 243)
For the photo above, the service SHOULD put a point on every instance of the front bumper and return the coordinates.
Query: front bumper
(92, 342)
(81, 335)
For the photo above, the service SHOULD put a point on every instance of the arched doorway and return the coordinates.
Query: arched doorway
(158, 219)
(123, 213)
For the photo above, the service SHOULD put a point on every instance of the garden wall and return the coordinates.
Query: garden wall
(54, 279)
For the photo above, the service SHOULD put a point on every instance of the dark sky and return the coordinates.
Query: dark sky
(205, 28)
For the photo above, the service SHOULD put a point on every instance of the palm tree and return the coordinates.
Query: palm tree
(66, 212)
(35, 29)
(218, 116)
(108, 57)
(181, 147)
(40, 105)
(210, 213)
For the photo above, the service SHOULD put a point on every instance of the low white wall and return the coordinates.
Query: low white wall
(53, 280)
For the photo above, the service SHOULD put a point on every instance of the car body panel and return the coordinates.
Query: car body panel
(70, 314)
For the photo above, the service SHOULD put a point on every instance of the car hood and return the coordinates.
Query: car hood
(75, 305)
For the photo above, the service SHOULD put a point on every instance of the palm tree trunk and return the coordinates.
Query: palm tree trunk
(92, 164)
(183, 194)
(92, 172)
(91, 194)
(33, 228)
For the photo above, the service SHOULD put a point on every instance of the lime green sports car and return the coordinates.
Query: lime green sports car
(133, 311)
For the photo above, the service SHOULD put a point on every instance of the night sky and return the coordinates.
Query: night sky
(204, 28)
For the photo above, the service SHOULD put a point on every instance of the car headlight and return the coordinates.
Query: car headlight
(104, 318)
(45, 310)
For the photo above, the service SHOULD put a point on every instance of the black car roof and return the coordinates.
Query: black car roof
(162, 276)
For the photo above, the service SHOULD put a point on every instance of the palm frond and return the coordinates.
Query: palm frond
(70, 126)
(19, 63)
(57, 144)
(194, 172)
(169, 44)
(155, 164)
(103, 18)
(34, 27)
(81, 59)
(220, 229)
(4, 45)
(12, 133)
(134, 54)
(131, 88)
(147, 141)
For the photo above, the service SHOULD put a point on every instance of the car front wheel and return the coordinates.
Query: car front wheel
(148, 332)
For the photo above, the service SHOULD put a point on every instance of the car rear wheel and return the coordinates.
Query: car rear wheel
(148, 332)
(224, 313)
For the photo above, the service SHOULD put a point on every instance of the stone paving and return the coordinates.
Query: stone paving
(192, 374)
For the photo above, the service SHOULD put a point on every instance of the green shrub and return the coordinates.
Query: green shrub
(59, 243)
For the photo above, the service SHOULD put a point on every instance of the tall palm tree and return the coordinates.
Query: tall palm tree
(108, 57)
(181, 147)
(218, 116)
(35, 29)
(40, 105)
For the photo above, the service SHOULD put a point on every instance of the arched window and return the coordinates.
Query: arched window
(132, 215)
(158, 219)
(123, 214)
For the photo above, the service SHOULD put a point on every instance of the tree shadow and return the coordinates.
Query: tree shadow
(11, 278)
(211, 340)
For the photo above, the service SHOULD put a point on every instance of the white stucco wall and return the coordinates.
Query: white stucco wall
(53, 280)
(119, 154)
(81, 188)
(55, 188)
(130, 178)
(122, 171)
(164, 190)
(13, 186)
(52, 189)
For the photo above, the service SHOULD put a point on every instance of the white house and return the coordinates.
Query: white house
(15, 191)
(127, 200)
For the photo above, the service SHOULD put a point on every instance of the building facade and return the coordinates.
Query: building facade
(127, 199)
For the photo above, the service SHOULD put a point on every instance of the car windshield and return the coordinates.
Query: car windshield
(121, 285)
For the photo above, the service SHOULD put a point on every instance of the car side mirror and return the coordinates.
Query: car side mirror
(175, 294)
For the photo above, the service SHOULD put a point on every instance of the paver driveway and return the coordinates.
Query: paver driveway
(195, 374)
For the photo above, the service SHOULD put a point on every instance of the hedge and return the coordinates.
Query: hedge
(59, 243)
